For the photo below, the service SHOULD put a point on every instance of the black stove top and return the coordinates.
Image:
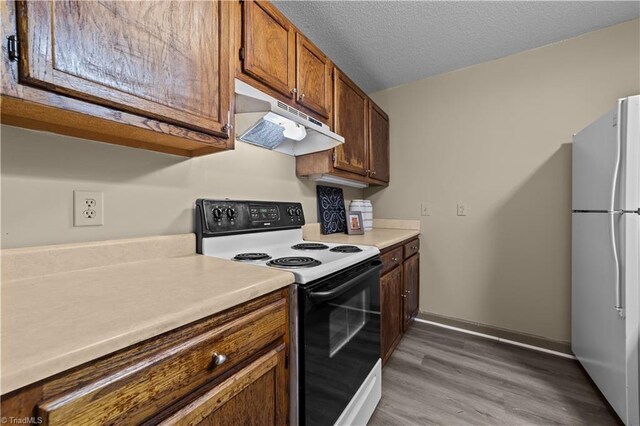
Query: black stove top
(245, 257)
(293, 262)
(310, 246)
(346, 249)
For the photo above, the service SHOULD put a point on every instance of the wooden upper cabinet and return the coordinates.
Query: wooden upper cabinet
(313, 77)
(378, 143)
(166, 60)
(350, 118)
(269, 46)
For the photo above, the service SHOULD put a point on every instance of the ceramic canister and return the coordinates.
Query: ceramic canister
(366, 209)
(367, 215)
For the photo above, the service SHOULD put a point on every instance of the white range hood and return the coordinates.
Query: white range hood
(265, 121)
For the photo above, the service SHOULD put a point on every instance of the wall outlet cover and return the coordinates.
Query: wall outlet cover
(424, 209)
(88, 208)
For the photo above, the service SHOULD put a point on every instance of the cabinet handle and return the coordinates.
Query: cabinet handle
(414, 247)
(394, 259)
(408, 291)
(404, 295)
(227, 127)
(373, 172)
(301, 97)
(294, 90)
(219, 359)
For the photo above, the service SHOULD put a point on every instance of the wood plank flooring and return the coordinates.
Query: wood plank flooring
(438, 376)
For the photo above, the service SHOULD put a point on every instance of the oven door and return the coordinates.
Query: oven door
(339, 340)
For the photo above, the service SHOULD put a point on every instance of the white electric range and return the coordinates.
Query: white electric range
(335, 304)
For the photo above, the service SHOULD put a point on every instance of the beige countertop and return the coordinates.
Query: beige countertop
(385, 233)
(86, 309)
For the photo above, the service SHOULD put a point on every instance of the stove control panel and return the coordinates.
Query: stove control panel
(223, 217)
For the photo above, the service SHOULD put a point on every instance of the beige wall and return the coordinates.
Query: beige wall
(145, 193)
(497, 136)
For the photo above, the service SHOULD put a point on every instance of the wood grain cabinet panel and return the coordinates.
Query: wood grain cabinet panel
(350, 118)
(313, 77)
(255, 395)
(168, 374)
(411, 248)
(269, 46)
(399, 293)
(392, 323)
(230, 368)
(411, 276)
(378, 143)
(165, 60)
(391, 259)
(364, 157)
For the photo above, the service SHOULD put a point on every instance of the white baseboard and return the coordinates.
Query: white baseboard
(498, 339)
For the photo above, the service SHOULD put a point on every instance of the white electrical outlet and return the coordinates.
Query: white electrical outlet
(88, 208)
(462, 209)
(424, 209)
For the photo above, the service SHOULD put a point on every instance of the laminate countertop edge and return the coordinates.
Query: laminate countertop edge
(379, 237)
(53, 323)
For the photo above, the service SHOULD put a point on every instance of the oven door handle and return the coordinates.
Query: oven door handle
(321, 296)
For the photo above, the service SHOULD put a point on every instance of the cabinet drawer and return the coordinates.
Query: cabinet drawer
(411, 248)
(391, 259)
(254, 395)
(135, 392)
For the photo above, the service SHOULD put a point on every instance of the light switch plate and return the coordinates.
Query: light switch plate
(88, 208)
(462, 208)
(424, 209)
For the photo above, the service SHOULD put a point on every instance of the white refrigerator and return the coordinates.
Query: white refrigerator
(606, 254)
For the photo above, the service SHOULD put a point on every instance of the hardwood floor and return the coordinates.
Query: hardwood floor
(444, 377)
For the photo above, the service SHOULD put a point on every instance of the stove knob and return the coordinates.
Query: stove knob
(231, 213)
(290, 211)
(217, 213)
(298, 212)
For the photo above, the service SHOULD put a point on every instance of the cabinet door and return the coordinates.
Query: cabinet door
(313, 77)
(411, 277)
(167, 60)
(378, 143)
(391, 311)
(350, 109)
(269, 46)
(255, 395)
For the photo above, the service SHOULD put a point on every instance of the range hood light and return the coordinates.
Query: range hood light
(293, 131)
(338, 181)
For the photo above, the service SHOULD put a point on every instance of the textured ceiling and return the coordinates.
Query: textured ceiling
(381, 44)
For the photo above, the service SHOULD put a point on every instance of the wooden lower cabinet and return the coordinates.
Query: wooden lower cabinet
(399, 293)
(391, 288)
(230, 368)
(254, 395)
(411, 278)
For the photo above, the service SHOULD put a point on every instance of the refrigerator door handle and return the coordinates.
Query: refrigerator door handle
(616, 169)
(614, 248)
(613, 212)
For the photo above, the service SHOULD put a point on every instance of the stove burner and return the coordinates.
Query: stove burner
(310, 246)
(346, 249)
(244, 257)
(293, 262)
